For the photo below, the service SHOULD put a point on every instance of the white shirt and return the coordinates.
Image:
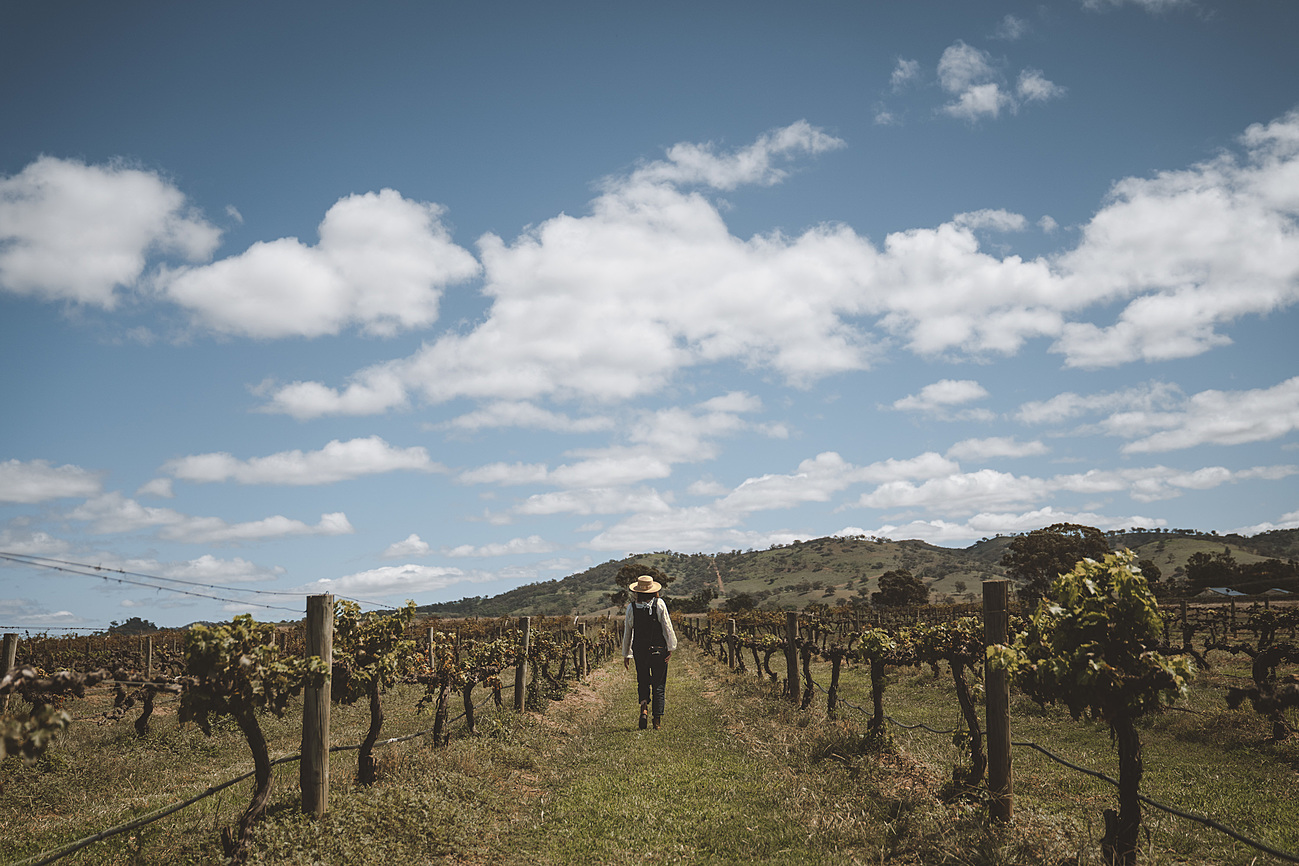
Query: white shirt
(665, 621)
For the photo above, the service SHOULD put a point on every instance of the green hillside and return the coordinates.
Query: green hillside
(836, 570)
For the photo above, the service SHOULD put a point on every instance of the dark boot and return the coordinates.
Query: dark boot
(657, 722)
(644, 715)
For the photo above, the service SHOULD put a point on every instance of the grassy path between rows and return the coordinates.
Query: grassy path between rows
(691, 792)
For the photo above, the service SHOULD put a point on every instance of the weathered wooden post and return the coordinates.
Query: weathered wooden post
(997, 703)
(314, 768)
(730, 642)
(432, 662)
(791, 655)
(521, 669)
(8, 654)
(148, 657)
(583, 668)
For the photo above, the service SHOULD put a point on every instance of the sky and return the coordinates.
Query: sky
(430, 300)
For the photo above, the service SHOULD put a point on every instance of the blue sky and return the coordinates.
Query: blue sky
(431, 300)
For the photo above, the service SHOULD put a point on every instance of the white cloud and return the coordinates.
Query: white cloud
(160, 487)
(986, 524)
(658, 267)
(412, 546)
(993, 219)
(1011, 28)
(531, 544)
(969, 74)
(936, 398)
(76, 232)
(37, 481)
(1289, 520)
(1216, 418)
(113, 513)
(996, 446)
(906, 72)
(1197, 248)
(404, 581)
(26, 612)
(526, 415)
(337, 461)
(1063, 407)
(381, 263)
(689, 164)
(1034, 87)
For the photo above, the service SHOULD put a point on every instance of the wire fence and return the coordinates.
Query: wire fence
(1155, 804)
(152, 817)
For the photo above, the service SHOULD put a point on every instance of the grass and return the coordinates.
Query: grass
(736, 775)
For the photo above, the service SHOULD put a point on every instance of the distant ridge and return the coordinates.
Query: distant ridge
(835, 569)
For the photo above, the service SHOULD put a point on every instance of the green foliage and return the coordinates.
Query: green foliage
(1093, 648)
(237, 667)
(368, 648)
(900, 588)
(1038, 557)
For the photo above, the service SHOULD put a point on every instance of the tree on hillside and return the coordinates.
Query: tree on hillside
(900, 588)
(1205, 569)
(741, 601)
(1040, 556)
(627, 575)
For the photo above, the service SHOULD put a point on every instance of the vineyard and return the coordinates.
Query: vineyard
(504, 740)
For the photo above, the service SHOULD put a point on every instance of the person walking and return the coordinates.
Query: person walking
(648, 637)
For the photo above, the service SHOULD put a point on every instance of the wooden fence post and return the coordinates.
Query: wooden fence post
(791, 655)
(148, 657)
(314, 768)
(7, 656)
(432, 662)
(997, 703)
(730, 642)
(521, 669)
(583, 668)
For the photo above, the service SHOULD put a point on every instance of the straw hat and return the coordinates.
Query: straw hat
(645, 583)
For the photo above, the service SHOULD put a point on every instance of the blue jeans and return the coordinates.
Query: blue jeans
(652, 677)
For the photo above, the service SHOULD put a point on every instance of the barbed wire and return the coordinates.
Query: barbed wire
(1172, 810)
(101, 571)
(73, 847)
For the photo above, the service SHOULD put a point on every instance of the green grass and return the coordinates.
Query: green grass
(736, 775)
(1211, 760)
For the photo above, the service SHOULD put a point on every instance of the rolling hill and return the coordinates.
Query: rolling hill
(836, 569)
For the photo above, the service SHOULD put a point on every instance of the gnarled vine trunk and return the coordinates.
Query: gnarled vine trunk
(1122, 829)
(367, 768)
(236, 844)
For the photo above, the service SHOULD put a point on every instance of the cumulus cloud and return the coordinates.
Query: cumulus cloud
(337, 461)
(657, 441)
(1198, 248)
(936, 399)
(25, 611)
(1069, 405)
(1180, 253)
(76, 232)
(114, 513)
(1214, 418)
(34, 481)
(381, 263)
(413, 545)
(1011, 28)
(978, 86)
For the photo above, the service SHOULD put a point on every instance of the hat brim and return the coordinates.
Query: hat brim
(654, 586)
